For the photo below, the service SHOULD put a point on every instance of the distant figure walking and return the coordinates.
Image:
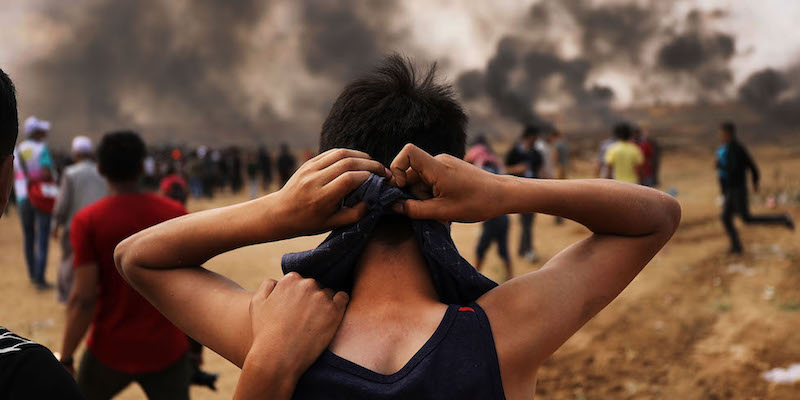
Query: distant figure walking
(33, 163)
(602, 170)
(287, 163)
(81, 185)
(251, 167)
(732, 163)
(525, 161)
(624, 157)
(561, 148)
(647, 168)
(265, 164)
(494, 230)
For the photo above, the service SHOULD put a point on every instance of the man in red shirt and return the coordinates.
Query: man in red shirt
(129, 340)
(646, 169)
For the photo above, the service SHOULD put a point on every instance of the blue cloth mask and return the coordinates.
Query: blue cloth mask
(333, 261)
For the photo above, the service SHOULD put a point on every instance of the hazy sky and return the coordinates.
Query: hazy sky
(277, 79)
(466, 32)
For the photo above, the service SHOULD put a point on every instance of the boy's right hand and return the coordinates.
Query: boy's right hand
(461, 191)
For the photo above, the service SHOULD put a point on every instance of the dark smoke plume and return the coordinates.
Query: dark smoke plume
(616, 36)
(516, 75)
(614, 32)
(774, 94)
(340, 42)
(699, 55)
(524, 68)
(132, 58)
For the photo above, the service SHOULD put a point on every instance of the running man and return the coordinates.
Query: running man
(398, 340)
(733, 162)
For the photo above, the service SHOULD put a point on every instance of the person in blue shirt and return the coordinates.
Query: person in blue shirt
(733, 162)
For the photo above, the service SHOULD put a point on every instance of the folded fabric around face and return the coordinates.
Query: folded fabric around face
(333, 261)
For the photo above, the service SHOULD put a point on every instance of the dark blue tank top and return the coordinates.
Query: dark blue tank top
(458, 362)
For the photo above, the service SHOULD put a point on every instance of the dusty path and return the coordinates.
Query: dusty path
(696, 324)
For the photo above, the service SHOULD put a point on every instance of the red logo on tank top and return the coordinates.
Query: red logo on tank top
(466, 309)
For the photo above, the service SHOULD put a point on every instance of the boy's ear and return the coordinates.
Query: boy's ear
(6, 180)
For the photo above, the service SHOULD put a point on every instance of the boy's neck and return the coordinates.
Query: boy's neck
(390, 274)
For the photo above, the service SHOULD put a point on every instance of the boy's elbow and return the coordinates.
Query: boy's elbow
(122, 258)
(671, 213)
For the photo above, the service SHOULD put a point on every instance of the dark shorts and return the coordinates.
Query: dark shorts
(100, 382)
(495, 230)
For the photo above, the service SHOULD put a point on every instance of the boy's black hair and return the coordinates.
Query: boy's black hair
(382, 111)
(9, 120)
(623, 131)
(120, 156)
(728, 127)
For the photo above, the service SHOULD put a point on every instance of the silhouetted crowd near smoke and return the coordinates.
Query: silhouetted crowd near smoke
(182, 172)
(203, 172)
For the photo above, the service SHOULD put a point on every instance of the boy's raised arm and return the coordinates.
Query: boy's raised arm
(163, 262)
(533, 315)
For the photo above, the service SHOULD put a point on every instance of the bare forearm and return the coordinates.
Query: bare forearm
(79, 317)
(193, 239)
(603, 206)
(264, 376)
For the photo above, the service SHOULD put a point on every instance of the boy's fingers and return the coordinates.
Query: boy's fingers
(267, 286)
(420, 209)
(411, 157)
(340, 300)
(349, 215)
(329, 157)
(352, 164)
(346, 183)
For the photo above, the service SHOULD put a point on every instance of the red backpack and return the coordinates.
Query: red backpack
(42, 193)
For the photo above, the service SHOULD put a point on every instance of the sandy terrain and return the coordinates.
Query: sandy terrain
(695, 324)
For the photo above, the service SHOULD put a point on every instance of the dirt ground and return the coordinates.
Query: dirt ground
(695, 324)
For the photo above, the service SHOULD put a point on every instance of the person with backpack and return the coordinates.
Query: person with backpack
(36, 192)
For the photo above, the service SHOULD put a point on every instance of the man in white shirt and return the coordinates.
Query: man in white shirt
(81, 185)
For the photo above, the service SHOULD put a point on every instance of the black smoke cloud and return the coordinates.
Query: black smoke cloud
(617, 36)
(517, 74)
(774, 94)
(132, 57)
(614, 32)
(700, 55)
(523, 68)
(340, 37)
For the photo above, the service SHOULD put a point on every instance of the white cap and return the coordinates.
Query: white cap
(81, 145)
(33, 124)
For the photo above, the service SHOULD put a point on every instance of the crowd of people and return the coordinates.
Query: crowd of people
(542, 152)
(202, 172)
(132, 259)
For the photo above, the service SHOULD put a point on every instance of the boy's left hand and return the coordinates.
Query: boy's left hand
(312, 198)
(293, 321)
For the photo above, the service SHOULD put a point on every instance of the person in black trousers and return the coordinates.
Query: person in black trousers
(733, 161)
(523, 160)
